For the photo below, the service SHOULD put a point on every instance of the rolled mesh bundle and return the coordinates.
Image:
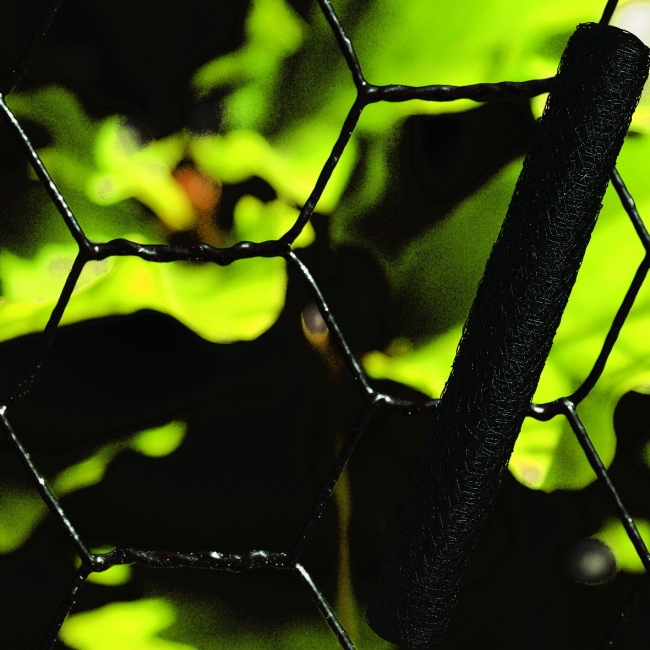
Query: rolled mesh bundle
(509, 331)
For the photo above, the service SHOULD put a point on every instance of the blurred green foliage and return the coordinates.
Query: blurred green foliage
(286, 92)
(131, 626)
(21, 511)
(613, 534)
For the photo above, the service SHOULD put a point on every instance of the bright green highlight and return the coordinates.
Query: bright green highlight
(291, 167)
(105, 159)
(291, 158)
(273, 32)
(222, 304)
(42, 278)
(117, 575)
(613, 534)
(127, 170)
(156, 623)
(86, 473)
(21, 510)
(128, 626)
(73, 132)
(161, 441)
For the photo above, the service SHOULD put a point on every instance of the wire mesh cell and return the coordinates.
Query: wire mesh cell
(320, 325)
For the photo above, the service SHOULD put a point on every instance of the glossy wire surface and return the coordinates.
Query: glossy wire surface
(375, 400)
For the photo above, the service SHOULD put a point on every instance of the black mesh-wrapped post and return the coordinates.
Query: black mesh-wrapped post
(509, 332)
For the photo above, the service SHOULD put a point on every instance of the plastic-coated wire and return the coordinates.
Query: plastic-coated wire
(375, 400)
(25, 384)
(600, 471)
(624, 616)
(631, 209)
(615, 329)
(325, 609)
(337, 151)
(332, 479)
(345, 44)
(64, 609)
(44, 491)
(482, 92)
(39, 33)
(196, 560)
(353, 365)
(623, 311)
(45, 178)
(608, 12)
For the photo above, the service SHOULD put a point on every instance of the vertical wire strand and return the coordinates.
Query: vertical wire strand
(344, 42)
(608, 12)
(629, 205)
(353, 365)
(65, 608)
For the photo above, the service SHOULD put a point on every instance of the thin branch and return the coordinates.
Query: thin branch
(599, 468)
(325, 609)
(45, 492)
(27, 56)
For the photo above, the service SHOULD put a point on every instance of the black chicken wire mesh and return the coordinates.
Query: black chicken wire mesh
(375, 400)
